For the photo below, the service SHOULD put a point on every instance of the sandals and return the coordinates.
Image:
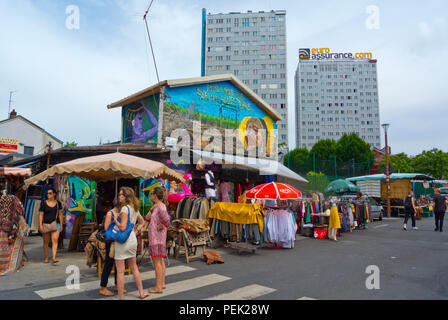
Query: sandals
(46, 260)
(144, 296)
(153, 290)
(55, 261)
(106, 293)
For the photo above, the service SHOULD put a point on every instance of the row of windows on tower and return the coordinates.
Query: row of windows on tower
(246, 22)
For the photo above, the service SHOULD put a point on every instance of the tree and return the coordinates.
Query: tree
(433, 163)
(298, 160)
(325, 149)
(353, 147)
(317, 181)
(400, 162)
(70, 144)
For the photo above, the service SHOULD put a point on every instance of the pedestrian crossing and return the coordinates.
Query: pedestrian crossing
(192, 282)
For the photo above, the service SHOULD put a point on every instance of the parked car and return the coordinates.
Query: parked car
(444, 192)
(376, 208)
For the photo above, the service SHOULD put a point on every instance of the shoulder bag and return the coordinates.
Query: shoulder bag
(113, 233)
(52, 227)
(101, 234)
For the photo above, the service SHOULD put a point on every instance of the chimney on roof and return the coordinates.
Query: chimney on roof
(13, 114)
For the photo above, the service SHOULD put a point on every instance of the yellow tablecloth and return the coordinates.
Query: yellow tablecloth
(238, 213)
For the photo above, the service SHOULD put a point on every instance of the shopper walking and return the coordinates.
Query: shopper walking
(51, 222)
(409, 210)
(159, 221)
(440, 204)
(109, 263)
(128, 251)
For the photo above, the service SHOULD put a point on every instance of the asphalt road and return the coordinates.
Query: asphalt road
(412, 264)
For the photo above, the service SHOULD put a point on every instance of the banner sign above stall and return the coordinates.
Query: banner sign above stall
(8, 145)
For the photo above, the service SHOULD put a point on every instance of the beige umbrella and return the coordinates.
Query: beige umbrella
(109, 167)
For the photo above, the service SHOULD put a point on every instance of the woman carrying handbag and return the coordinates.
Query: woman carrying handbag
(51, 222)
(127, 250)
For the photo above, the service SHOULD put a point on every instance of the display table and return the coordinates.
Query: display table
(238, 213)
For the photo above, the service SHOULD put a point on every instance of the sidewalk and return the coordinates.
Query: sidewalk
(36, 273)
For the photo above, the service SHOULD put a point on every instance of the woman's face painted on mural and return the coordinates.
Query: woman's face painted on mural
(253, 126)
(138, 122)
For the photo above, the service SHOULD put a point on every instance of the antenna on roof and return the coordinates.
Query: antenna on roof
(150, 42)
(10, 100)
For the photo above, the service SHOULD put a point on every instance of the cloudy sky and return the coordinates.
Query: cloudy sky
(65, 78)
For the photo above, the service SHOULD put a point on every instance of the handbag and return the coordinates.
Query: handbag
(101, 234)
(51, 227)
(115, 234)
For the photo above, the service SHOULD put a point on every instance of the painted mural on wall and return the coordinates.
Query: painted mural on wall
(146, 188)
(81, 199)
(218, 106)
(141, 121)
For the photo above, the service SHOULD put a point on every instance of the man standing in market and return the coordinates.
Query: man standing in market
(440, 204)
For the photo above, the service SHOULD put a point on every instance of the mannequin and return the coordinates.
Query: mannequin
(335, 222)
(210, 191)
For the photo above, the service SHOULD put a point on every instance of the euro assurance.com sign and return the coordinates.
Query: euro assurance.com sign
(326, 54)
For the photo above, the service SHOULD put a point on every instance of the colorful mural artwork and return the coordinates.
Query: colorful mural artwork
(141, 121)
(218, 106)
(81, 199)
(146, 187)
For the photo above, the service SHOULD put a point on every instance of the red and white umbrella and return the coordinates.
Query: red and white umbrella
(274, 191)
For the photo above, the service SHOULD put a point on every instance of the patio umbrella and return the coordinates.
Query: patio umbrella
(341, 186)
(274, 191)
(109, 167)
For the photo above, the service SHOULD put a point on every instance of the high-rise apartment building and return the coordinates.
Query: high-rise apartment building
(252, 46)
(334, 97)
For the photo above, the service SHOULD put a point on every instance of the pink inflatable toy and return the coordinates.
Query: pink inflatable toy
(177, 197)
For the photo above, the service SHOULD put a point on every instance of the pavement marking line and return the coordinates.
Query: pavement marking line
(380, 226)
(245, 293)
(177, 287)
(92, 285)
(306, 298)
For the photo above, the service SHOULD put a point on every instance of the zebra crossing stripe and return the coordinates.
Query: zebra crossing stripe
(245, 293)
(179, 287)
(92, 285)
(306, 298)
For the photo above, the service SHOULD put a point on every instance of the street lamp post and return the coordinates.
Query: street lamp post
(386, 126)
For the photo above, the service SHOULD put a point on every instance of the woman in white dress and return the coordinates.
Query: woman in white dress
(128, 251)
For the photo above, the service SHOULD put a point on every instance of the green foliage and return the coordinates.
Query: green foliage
(325, 149)
(70, 144)
(400, 162)
(350, 146)
(317, 181)
(297, 159)
(433, 163)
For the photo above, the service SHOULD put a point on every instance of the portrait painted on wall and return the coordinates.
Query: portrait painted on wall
(141, 121)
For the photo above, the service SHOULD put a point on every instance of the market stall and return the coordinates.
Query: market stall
(13, 230)
(103, 168)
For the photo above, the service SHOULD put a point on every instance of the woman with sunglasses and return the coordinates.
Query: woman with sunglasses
(128, 251)
(51, 221)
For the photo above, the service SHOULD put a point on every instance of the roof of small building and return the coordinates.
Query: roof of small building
(200, 80)
(32, 124)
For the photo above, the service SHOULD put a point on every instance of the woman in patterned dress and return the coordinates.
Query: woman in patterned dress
(159, 221)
